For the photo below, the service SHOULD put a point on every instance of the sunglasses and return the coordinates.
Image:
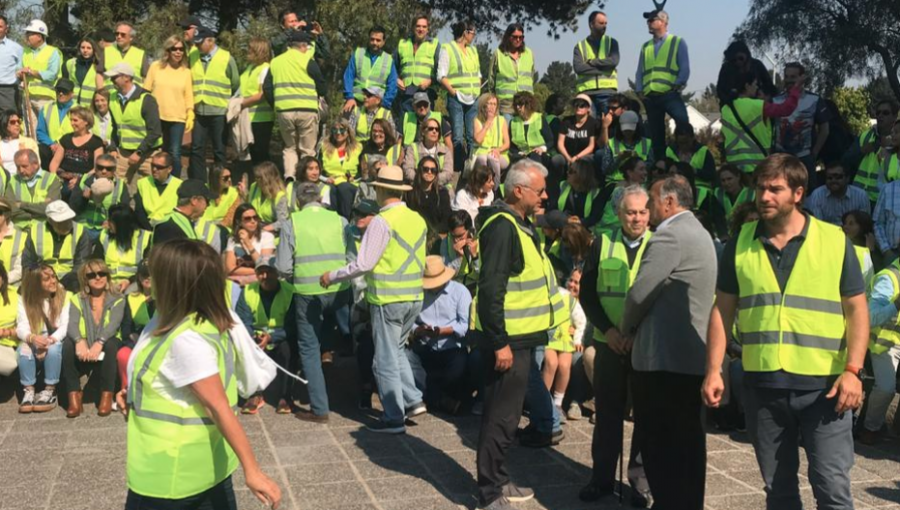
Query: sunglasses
(98, 274)
(105, 168)
(122, 34)
(582, 105)
(429, 169)
(250, 218)
(154, 166)
(176, 48)
(226, 177)
(14, 122)
(432, 129)
(339, 131)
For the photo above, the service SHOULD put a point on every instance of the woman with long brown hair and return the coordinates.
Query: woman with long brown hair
(340, 164)
(82, 70)
(270, 196)
(184, 440)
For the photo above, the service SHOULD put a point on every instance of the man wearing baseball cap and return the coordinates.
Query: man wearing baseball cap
(190, 25)
(41, 65)
(392, 256)
(662, 75)
(53, 121)
(361, 118)
(58, 242)
(421, 104)
(185, 221)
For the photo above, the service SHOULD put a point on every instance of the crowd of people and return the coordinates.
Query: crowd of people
(505, 256)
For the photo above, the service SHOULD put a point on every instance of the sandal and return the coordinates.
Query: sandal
(253, 405)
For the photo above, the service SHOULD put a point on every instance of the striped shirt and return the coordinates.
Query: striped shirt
(828, 207)
(887, 217)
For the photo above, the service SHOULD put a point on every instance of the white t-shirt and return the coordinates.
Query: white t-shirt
(190, 358)
(465, 201)
(266, 241)
(8, 150)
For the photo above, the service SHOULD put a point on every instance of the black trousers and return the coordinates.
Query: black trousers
(285, 354)
(667, 414)
(612, 373)
(219, 497)
(504, 395)
(262, 137)
(73, 368)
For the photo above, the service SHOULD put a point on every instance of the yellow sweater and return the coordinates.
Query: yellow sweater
(173, 89)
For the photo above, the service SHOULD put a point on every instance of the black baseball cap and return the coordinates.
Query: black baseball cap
(366, 208)
(64, 85)
(298, 36)
(193, 188)
(203, 33)
(190, 21)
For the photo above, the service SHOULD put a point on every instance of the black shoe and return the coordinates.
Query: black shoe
(557, 437)
(531, 438)
(517, 494)
(593, 492)
(382, 427)
(641, 499)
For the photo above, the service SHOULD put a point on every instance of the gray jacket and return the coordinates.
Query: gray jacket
(668, 307)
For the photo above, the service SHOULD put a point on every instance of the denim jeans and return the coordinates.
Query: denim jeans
(658, 105)
(219, 497)
(884, 368)
(211, 127)
(599, 104)
(391, 325)
(310, 310)
(173, 134)
(28, 364)
(542, 413)
(462, 122)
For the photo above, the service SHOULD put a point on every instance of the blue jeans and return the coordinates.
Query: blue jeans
(391, 325)
(599, 104)
(542, 412)
(462, 121)
(438, 373)
(173, 134)
(309, 310)
(210, 127)
(28, 365)
(658, 105)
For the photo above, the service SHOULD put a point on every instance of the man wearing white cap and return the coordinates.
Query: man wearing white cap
(60, 243)
(137, 130)
(30, 189)
(361, 118)
(392, 256)
(41, 65)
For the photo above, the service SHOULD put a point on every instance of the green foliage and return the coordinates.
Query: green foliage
(853, 104)
(560, 78)
(708, 100)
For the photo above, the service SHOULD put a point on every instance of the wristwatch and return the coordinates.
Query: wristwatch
(859, 372)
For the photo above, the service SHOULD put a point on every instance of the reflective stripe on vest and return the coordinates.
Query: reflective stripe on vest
(44, 247)
(465, 69)
(319, 247)
(799, 330)
(363, 124)
(130, 124)
(174, 449)
(133, 56)
(216, 212)
(38, 88)
(124, 264)
(397, 277)
(661, 70)
(416, 65)
(84, 91)
(883, 337)
(740, 149)
(526, 142)
(11, 248)
(33, 195)
(265, 207)
(867, 175)
(158, 206)
(261, 111)
(370, 74)
(212, 86)
(746, 195)
(411, 125)
(278, 312)
(615, 276)
(493, 139)
(416, 157)
(292, 85)
(514, 75)
(338, 168)
(86, 327)
(604, 81)
(56, 127)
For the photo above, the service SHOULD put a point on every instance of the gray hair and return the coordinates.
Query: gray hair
(306, 193)
(634, 189)
(128, 24)
(518, 174)
(32, 156)
(679, 187)
(375, 159)
(105, 158)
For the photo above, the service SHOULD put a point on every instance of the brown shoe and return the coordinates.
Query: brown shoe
(310, 417)
(868, 437)
(75, 408)
(104, 408)
(327, 358)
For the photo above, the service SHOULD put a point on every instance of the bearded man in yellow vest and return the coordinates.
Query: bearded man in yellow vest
(137, 129)
(511, 69)
(124, 51)
(41, 65)
(662, 74)
(60, 243)
(416, 59)
(517, 306)
(609, 272)
(594, 61)
(370, 66)
(316, 240)
(392, 258)
(216, 78)
(794, 287)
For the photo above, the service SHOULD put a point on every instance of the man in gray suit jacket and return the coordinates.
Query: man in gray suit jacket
(666, 317)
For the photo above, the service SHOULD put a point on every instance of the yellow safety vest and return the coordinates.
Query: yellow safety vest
(464, 73)
(124, 264)
(56, 127)
(84, 91)
(261, 111)
(605, 81)
(800, 330)
(35, 195)
(362, 122)
(417, 157)
(44, 247)
(416, 64)
(338, 169)
(494, 138)
(565, 189)
(641, 149)
(293, 87)
(660, 70)
(533, 302)
(86, 327)
(133, 56)
(176, 450)
(38, 88)
(140, 312)
(370, 74)
(130, 124)
(615, 276)
(280, 305)
(886, 336)
(94, 215)
(534, 138)
(746, 195)
(740, 149)
(265, 207)
(11, 248)
(319, 248)
(215, 212)
(514, 75)
(158, 206)
(397, 277)
(411, 126)
(867, 175)
(212, 86)
(890, 168)
(8, 316)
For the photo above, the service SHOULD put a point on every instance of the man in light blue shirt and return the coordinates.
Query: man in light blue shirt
(830, 202)
(884, 300)
(10, 60)
(437, 354)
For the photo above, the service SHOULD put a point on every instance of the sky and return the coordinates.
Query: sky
(706, 26)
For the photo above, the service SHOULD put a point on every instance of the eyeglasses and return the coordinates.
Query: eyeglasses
(226, 177)
(432, 129)
(250, 218)
(154, 166)
(98, 274)
(470, 31)
(14, 122)
(339, 131)
(429, 169)
(582, 105)
(176, 48)
(104, 168)
(121, 34)
(538, 192)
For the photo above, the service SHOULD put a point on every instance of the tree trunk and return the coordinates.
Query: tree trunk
(890, 67)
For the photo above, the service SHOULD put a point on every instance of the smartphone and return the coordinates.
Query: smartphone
(101, 356)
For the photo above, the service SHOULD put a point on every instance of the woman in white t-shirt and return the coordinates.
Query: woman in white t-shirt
(248, 242)
(479, 191)
(184, 440)
(11, 141)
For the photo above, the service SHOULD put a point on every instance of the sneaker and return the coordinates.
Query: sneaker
(499, 504)
(416, 410)
(253, 405)
(641, 499)
(382, 427)
(517, 494)
(45, 401)
(574, 412)
(27, 404)
(284, 407)
(589, 405)
(593, 492)
(562, 415)
(478, 408)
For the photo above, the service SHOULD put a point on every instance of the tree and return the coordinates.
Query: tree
(708, 100)
(852, 103)
(839, 39)
(560, 78)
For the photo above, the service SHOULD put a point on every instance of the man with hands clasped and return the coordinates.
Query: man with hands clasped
(794, 285)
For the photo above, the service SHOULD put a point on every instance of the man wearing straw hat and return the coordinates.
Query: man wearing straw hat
(392, 257)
